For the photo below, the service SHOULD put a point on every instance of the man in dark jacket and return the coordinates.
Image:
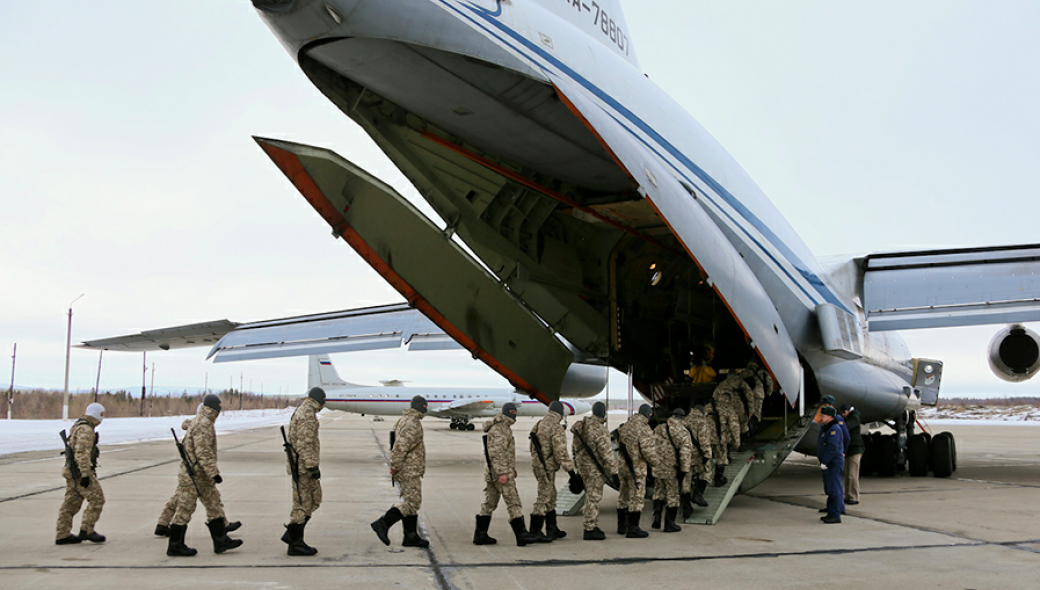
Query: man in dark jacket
(830, 450)
(853, 453)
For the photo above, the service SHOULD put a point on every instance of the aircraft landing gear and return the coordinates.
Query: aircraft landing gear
(914, 452)
(461, 424)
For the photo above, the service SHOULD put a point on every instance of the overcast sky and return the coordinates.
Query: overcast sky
(128, 172)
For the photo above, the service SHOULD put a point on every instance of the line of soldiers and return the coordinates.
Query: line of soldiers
(680, 450)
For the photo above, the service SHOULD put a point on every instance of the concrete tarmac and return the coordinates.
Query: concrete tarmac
(977, 529)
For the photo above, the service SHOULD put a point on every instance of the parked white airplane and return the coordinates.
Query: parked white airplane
(458, 404)
(602, 225)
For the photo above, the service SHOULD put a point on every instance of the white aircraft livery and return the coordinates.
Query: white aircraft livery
(587, 220)
(458, 404)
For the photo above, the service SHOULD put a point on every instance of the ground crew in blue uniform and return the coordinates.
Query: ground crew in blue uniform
(830, 450)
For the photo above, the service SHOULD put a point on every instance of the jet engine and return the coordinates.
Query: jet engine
(1014, 353)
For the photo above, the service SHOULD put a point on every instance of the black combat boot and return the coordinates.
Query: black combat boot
(382, 524)
(411, 532)
(162, 530)
(92, 536)
(669, 519)
(658, 507)
(523, 538)
(720, 476)
(176, 547)
(480, 534)
(230, 527)
(698, 492)
(594, 535)
(551, 530)
(296, 544)
(634, 532)
(622, 521)
(69, 540)
(686, 502)
(536, 529)
(221, 542)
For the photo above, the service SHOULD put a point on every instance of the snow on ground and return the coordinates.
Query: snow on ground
(18, 436)
(980, 414)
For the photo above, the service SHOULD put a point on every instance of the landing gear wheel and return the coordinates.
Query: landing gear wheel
(866, 465)
(943, 462)
(917, 454)
(453, 426)
(887, 455)
(470, 427)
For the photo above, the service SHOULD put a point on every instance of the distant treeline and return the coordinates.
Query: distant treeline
(40, 404)
(996, 402)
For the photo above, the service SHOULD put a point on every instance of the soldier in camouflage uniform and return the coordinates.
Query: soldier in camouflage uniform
(638, 448)
(730, 407)
(407, 467)
(675, 449)
(548, 455)
(85, 485)
(500, 479)
(761, 384)
(700, 428)
(306, 492)
(595, 460)
(719, 450)
(200, 448)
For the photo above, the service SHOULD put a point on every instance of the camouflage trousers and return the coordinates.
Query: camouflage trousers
(755, 403)
(494, 490)
(187, 496)
(74, 496)
(306, 497)
(667, 487)
(546, 501)
(593, 496)
(632, 495)
(730, 422)
(169, 510)
(411, 495)
(699, 472)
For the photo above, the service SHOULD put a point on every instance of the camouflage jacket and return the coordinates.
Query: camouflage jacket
(501, 447)
(761, 384)
(667, 446)
(303, 434)
(83, 441)
(702, 431)
(408, 457)
(729, 396)
(200, 443)
(593, 431)
(639, 441)
(553, 439)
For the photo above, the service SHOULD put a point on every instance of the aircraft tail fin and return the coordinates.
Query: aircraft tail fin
(321, 373)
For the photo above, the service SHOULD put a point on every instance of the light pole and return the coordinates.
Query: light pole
(68, 350)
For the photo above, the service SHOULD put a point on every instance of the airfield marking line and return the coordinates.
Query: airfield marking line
(435, 564)
(527, 563)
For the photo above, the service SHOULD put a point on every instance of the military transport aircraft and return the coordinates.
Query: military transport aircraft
(588, 219)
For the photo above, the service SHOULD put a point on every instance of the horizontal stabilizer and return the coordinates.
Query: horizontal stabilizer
(189, 336)
(373, 328)
(945, 288)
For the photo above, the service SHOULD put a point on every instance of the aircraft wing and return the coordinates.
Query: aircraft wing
(945, 288)
(460, 406)
(679, 207)
(370, 328)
